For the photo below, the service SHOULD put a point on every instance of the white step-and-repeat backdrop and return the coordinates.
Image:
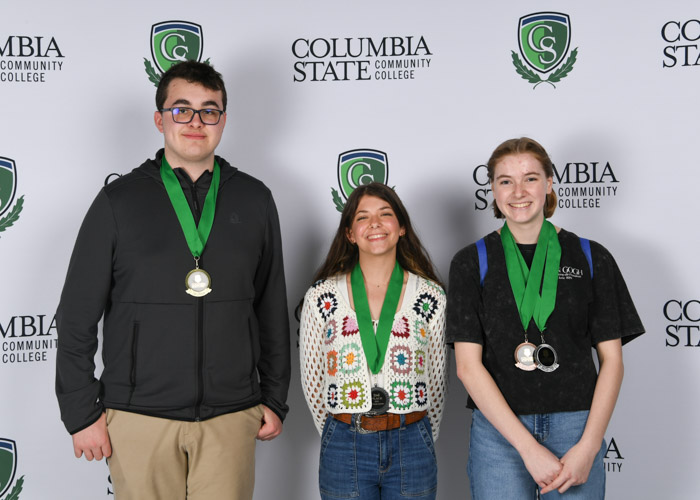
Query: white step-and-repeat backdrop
(611, 89)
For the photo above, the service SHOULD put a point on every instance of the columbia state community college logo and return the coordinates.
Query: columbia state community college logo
(8, 468)
(356, 168)
(173, 42)
(8, 186)
(543, 39)
(29, 59)
(345, 59)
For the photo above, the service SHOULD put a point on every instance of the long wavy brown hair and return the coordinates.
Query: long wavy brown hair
(343, 255)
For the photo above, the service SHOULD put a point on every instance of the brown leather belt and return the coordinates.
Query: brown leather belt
(385, 422)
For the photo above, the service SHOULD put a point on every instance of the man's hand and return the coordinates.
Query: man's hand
(270, 426)
(94, 441)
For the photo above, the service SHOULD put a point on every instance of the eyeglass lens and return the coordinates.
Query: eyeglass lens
(185, 115)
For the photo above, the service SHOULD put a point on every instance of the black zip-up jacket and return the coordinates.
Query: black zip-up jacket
(166, 353)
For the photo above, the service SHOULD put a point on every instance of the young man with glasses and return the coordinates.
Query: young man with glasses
(183, 258)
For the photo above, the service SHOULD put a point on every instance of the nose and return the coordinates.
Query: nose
(196, 121)
(518, 189)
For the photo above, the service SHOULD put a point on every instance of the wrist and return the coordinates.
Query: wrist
(590, 444)
(526, 444)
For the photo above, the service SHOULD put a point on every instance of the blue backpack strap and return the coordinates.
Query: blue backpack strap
(586, 247)
(483, 260)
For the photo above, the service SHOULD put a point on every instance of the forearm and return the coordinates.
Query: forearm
(271, 314)
(311, 363)
(606, 392)
(437, 370)
(274, 369)
(541, 463)
(488, 398)
(83, 301)
(579, 459)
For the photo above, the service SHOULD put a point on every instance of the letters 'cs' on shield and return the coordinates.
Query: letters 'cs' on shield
(544, 39)
(8, 464)
(8, 185)
(175, 41)
(361, 166)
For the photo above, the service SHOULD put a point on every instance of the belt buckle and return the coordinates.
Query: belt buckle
(358, 423)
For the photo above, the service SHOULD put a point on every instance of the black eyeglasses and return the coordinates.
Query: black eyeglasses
(186, 115)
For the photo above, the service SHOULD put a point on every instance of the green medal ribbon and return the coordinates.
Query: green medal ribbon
(375, 345)
(196, 235)
(544, 274)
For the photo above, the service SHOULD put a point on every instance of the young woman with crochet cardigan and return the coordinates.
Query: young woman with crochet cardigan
(373, 354)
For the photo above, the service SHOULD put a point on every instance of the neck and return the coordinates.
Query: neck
(377, 269)
(526, 233)
(193, 168)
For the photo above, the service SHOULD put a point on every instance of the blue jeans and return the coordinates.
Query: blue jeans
(496, 470)
(384, 465)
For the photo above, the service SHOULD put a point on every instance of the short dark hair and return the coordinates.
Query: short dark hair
(193, 72)
(523, 145)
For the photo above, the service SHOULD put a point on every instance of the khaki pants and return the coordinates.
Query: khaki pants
(161, 459)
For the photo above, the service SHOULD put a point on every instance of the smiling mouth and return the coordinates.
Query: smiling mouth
(524, 204)
(376, 237)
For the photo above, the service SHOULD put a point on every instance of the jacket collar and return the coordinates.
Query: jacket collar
(151, 168)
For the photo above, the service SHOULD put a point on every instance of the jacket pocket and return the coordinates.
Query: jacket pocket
(231, 353)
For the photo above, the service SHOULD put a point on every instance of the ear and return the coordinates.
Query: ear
(349, 236)
(402, 232)
(550, 180)
(158, 120)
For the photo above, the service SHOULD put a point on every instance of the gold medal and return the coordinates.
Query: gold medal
(198, 282)
(524, 356)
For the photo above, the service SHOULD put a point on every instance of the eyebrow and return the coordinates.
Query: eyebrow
(379, 209)
(534, 172)
(206, 104)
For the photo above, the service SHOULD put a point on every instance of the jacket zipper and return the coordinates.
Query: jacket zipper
(200, 358)
(196, 209)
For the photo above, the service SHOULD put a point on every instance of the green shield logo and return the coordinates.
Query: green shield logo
(8, 464)
(8, 184)
(544, 39)
(175, 41)
(359, 167)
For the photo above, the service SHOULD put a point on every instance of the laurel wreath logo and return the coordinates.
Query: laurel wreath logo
(339, 205)
(153, 75)
(16, 490)
(11, 218)
(555, 77)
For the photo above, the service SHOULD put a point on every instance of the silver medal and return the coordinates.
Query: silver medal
(546, 358)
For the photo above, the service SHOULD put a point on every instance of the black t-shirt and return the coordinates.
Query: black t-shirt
(587, 312)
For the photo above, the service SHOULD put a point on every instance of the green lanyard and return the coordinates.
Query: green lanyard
(375, 345)
(196, 235)
(544, 274)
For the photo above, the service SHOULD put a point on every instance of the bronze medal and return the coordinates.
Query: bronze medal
(525, 356)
